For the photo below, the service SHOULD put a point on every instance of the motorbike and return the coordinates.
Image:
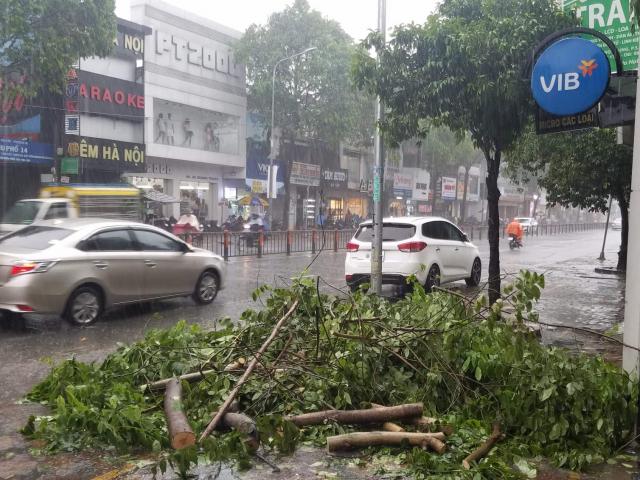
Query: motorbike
(514, 242)
(251, 235)
(234, 224)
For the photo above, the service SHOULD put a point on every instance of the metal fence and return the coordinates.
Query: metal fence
(239, 244)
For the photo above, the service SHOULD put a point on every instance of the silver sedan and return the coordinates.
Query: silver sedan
(77, 268)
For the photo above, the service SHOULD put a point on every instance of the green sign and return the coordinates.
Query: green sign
(612, 18)
(69, 165)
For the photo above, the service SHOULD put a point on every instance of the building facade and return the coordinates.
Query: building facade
(195, 110)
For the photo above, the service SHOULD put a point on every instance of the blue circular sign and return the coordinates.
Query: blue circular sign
(570, 76)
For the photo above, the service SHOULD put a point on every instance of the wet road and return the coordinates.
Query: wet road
(574, 295)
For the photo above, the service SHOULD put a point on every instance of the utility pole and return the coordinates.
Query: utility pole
(378, 175)
(630, 358)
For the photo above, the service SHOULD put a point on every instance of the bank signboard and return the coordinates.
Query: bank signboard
(570, 76)
(106, 154)
(613, 19)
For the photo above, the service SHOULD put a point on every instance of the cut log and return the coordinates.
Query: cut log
(252, 364)
(180, 432)
(245, 425)
(189, 377)
(373, 415)
(356, 440)
(388, 426)
(485, 448)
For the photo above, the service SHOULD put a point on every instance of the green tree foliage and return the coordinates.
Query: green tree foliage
(577, 169)
(314, 97)
(41, 39)
(463, 69)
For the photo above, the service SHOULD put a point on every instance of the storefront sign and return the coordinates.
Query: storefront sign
(334, 178)
(448, 188)
(102, 95)
(613, 18)
(421, 186)
(570, 76)
(129, 41)
(106, 154)
(25, 151)
(305, 174)
(402, 184)
(69, 165)
(209, 57)
(547, 123)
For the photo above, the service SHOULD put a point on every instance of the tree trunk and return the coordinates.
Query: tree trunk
(493, 198)
(433, 183)
(624, 212)
(180, 432)
(352, 417)
(463, 207)
(352, 441)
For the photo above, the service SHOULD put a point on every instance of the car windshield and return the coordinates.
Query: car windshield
(22, 213)
(523, 220)
(391, 232)
(34, 238)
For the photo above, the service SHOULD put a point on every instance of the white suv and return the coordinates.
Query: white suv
(431, 248)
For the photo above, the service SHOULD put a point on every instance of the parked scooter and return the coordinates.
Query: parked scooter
(514, 243)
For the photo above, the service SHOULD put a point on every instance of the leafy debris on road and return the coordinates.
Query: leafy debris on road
(469, 363)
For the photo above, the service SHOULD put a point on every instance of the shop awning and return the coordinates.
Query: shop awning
(155, 196)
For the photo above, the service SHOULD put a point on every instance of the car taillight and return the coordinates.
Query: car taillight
(20, 268)
(412, 247)
(352, 247)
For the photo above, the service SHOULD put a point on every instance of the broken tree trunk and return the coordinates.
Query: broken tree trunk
(483, 449)
(232, 395)
(243, 424)
(388, 426)
(180, 432)
(374, 415)
(352, 441)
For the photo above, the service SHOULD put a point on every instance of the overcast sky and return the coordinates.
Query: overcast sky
(357, 17)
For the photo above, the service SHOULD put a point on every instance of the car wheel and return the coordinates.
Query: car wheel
(84, 307)
(206, 288)
(433, 279)
(476, 274)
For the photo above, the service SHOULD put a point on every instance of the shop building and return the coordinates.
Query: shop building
(195, 110)
(104, 104)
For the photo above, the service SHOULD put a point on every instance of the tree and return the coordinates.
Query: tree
(41, 39)
(578, 169)
(314, 98)
(463, 69)
(444, 152)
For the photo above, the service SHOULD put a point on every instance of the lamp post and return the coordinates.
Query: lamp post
(271, 192)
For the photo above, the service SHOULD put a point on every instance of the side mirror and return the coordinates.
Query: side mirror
(465, 238)
(186, 248)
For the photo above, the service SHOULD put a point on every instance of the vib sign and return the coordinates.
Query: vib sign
(570, 76)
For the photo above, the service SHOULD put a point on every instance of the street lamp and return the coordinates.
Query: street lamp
(271, 192)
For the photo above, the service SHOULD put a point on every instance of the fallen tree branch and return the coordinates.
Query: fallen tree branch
(485, 448)
(232, 395)
(244, 424)
(374, 415)
(180, 432)
(355, 440)
(388, 426)
(189, 377)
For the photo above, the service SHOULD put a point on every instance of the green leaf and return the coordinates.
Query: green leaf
(478, 373)
(546, 393)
